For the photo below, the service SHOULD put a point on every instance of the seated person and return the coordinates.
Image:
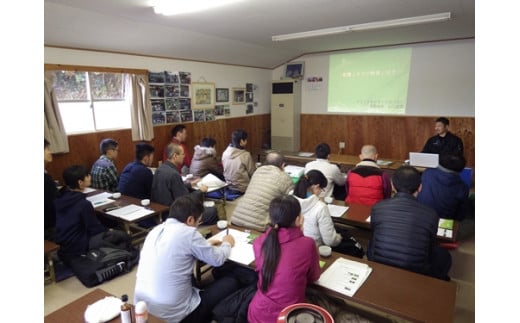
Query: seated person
(238, 163)
(104, 171)
(366, 183)
(165, 270)
(136, 178)
(76, 220)
(50, 192)
(268, 181)
(335, 179)
(444, 190)
(282, 283)
(318, 223)
(205, 161)
(167, 184)
(179, 134)
(404, 231)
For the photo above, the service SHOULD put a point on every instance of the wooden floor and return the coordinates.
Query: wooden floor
(463, 273)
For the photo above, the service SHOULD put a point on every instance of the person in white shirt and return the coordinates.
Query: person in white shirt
(165, 270)
(331, 172)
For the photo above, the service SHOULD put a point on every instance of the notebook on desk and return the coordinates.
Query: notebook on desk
(424, 160)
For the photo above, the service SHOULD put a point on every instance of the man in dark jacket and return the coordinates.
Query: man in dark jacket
(404, 231)
(76, 224)
(444, 190)
(76, 220)
(50, 192)
(444, 142)
(168, 185)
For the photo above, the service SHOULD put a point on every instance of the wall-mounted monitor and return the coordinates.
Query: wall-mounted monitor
(294, 70)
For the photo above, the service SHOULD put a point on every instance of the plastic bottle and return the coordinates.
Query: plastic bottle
(141, 312)
(126, 310)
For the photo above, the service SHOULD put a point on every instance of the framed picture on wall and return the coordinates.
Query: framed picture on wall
(239, 95)
(222, 95)
(203, 95)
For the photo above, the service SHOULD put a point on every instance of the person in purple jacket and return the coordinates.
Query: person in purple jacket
(286, 262)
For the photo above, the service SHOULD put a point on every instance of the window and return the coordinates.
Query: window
(92, 101)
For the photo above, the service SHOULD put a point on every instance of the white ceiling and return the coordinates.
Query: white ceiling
(241, 33)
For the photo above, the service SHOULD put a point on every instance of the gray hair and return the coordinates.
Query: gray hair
(274, 158)
(172, 149)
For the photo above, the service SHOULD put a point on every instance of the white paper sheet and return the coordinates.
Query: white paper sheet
(345, 276)
(131, 212)
(87, 190)
(294, 171)
(242, 252)
(337, 211)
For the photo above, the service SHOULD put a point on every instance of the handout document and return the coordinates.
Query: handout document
(337, 211)
(87, 190)
(345, 276)
(294, 171)
(445, 228)
(242, 252)
(211, 181)
(130, 212)
(100, 199)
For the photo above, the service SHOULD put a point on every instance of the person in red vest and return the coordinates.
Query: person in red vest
(366, 183)
(179, 135)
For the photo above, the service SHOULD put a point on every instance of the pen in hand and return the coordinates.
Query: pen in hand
(227, 231)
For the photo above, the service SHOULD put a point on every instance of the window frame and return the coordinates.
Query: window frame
(78, 68)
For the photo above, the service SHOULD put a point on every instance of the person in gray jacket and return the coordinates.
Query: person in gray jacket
(404, 231)
(167, 184)
(268, 181)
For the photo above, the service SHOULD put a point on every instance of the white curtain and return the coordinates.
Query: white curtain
(54, 131)
(142, 126)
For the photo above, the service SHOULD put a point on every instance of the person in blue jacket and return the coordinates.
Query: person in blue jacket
(444, 190)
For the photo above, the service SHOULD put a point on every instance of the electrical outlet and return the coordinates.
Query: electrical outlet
(341, 144)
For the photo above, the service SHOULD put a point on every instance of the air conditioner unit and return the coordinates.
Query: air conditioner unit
(285, 115)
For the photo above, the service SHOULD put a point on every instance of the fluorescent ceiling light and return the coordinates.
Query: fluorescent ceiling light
(438, 17)
(173, 7)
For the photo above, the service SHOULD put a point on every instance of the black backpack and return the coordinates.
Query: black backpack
(112, 262)
(110, 254)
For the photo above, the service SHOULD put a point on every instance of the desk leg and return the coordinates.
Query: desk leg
(50, 263)
(126, 228)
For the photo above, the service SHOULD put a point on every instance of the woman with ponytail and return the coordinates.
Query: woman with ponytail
(286, 262)
(318, 223)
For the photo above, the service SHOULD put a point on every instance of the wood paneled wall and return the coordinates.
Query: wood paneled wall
(84, 148)
(393, 136)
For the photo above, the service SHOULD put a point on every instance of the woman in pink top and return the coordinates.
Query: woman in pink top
(286, 261)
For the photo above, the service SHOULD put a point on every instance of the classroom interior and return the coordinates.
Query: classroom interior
(442, 78)
(462, 273)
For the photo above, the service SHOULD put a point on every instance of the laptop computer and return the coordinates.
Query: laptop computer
(424, 160)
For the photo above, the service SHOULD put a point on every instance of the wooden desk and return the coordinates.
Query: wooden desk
(401, 293)
(357, 215)
(74, 312)
(131, 227)
(345, 162)
(394, 291)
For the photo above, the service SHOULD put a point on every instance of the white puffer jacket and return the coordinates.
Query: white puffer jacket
(317, 223)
